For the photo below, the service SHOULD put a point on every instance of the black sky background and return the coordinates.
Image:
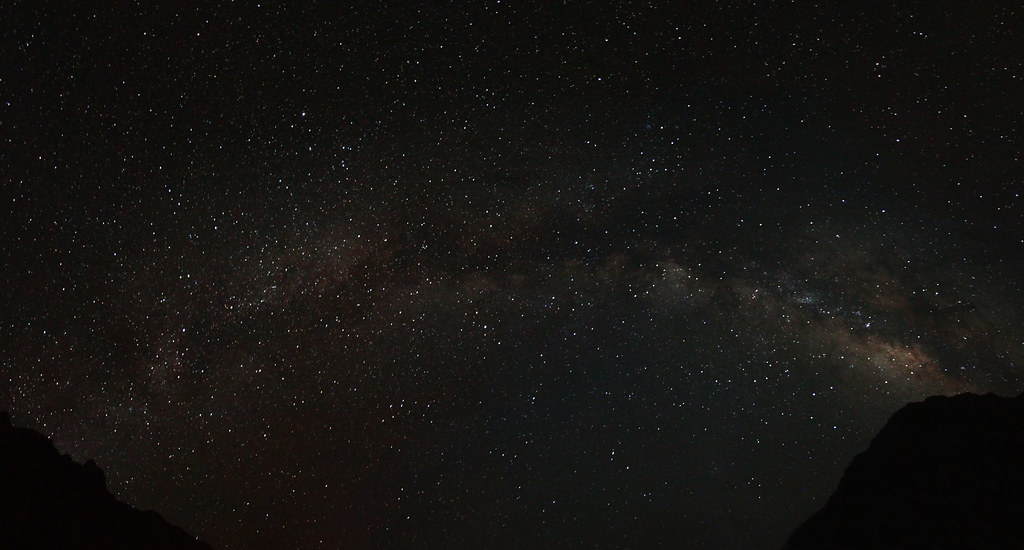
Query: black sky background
(503, 275)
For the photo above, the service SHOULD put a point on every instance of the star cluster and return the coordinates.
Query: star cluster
(505, 276)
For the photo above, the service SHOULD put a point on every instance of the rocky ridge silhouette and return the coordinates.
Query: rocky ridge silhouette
(944, 473)
(48, 501)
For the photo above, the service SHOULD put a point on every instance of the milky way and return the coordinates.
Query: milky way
(510, 278)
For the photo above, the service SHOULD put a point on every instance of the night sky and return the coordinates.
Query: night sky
(506, 275)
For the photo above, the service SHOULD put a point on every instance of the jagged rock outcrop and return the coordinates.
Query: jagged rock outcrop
(944, 473)
(48, 501)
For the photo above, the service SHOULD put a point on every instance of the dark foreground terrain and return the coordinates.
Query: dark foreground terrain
(48, 501)
(944, 473)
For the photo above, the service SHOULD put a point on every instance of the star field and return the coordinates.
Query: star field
(513, 275)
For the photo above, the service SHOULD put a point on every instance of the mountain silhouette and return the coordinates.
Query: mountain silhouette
(944, 473)
(48, 501)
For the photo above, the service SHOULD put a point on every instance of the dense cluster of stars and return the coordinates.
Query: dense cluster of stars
(514, 276)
